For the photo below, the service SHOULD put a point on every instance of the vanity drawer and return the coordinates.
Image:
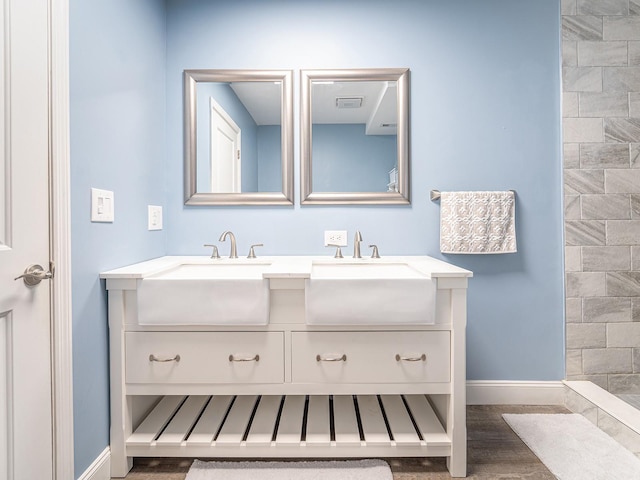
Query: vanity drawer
(370, 357)
(205, 357)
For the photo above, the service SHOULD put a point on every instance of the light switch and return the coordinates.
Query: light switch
(155, 217)
(102, 208)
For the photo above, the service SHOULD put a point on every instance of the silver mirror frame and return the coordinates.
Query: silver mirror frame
(191, 79)
(308, 196)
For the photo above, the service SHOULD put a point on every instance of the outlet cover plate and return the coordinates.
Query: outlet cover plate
(155, 217)
(335, 237)
(102, 209)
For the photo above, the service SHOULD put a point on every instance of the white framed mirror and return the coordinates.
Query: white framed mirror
(354, 127)
(238, 137)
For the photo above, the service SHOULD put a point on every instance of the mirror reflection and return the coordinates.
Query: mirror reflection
(238, 137)
(239, 131)
(354, 127)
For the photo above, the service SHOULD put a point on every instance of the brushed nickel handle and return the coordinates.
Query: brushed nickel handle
(331, 358)
(153, 358)
(422, 358)
(214, 251)
(255, 358)
(252, 253)
(34, 274)
(338, 253)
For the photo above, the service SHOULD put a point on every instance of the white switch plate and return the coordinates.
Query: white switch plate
(102, 209)
(335, 237)
(155, 217)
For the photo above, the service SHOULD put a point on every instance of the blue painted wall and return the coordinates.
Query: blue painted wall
(485, 114)
(269, 160)
(117, 73)
(345, 159)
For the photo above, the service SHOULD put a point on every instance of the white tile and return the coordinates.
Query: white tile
(621, 28)
(583, 130)
(624, 435)
(602, 54)
(570, 104)
(586, 335)
(623, 334)
(606, 360)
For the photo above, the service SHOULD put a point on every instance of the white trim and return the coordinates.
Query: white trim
(61, 322)
(483, 392)
(99, 469)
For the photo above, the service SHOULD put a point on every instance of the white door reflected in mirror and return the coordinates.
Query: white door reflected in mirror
(225, 156)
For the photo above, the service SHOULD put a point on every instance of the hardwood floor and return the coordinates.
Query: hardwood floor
(494, 452)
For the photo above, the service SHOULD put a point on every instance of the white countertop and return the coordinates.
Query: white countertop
(283, 266)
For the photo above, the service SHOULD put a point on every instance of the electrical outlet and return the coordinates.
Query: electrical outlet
(335, 237)
(155, 217)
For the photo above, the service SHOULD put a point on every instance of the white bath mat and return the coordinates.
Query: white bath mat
(320, 470)
(573, 448)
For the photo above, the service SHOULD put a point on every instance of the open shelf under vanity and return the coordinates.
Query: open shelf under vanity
(290, 426)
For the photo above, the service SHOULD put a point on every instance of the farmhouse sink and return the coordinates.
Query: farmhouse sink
(369, 294)
(205, 294)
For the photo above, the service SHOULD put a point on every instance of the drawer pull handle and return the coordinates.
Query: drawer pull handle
(331, 358)
(422, 358)
(153, 358)
(255, 358)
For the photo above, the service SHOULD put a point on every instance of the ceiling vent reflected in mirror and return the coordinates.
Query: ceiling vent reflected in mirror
(349, 102)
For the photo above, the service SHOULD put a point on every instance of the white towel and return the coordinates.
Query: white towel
(477, 222)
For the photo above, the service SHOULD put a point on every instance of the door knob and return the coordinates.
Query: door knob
(34, 274)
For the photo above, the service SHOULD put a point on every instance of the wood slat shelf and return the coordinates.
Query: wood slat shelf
(290, 426)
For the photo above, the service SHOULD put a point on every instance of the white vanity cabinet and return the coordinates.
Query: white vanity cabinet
(287, 389)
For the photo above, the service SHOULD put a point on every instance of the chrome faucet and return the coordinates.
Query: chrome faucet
(356, 245)
(223, 237)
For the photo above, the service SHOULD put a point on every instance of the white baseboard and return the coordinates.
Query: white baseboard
(483, 392)
(100, 469)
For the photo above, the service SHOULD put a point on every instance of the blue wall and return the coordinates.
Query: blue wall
(269, 158)
(485, 114)
(117, 74)
(345, 159)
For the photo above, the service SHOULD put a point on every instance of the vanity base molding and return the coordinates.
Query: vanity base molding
(297, 426)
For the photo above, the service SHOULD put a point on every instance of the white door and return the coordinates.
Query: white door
(26, 449)
(225, 151)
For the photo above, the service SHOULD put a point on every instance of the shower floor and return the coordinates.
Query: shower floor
(631, 399)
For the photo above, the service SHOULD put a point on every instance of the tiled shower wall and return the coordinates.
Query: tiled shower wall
(601, 128)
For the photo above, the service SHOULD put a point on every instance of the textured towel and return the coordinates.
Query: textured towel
(477, 222)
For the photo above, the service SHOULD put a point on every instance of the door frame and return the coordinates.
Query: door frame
(60, 241)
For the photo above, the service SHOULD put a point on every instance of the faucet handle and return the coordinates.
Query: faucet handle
(374, 253)
(214, 252)
(252, 253)
(338, 250)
